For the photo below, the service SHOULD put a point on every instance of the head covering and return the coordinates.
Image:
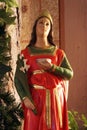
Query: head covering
(45, 13)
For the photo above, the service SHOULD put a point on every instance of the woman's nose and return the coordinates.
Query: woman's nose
(44, 24)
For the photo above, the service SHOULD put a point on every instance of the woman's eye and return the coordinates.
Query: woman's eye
(47, 24)
(41, 22)
(44, 23)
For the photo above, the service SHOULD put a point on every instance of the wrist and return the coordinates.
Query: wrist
(53, 67)
(24, 98)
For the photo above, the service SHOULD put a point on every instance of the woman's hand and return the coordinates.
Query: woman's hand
(44, 64)
(28, 103)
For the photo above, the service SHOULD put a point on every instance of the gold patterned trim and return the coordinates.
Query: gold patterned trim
(48, 104)
(38, 86)
(58, 104)
(48, 108)
(38, 71)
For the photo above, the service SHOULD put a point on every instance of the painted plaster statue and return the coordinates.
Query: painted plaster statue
(41, 78)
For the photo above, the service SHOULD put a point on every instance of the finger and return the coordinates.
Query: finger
(32, 106)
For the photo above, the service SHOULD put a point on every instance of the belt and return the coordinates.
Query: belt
(48, 104)
(38, 71)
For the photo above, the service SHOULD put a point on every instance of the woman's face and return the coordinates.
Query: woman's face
(43, 27)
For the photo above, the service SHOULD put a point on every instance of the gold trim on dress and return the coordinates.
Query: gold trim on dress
(38, 86)
(48, 108)
(48, 104)
(58, 104)
(38, 71)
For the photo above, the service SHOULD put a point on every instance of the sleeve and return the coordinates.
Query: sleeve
(20, 79)
(64, 69)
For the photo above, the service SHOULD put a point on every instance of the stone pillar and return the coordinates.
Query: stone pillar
(14, 31)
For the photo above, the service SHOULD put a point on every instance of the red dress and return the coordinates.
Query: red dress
(48, 93)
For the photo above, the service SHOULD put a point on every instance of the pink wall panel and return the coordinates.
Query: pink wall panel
(75, 17)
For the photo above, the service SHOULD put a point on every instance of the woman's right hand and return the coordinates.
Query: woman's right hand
(45, 64)
(28, 103)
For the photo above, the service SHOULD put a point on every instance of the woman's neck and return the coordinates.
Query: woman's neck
(42, 43)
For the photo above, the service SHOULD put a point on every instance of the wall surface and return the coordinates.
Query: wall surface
(75, 45)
